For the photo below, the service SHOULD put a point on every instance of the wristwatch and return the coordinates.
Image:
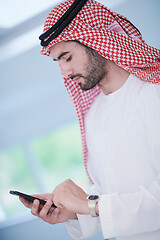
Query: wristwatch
(92, 200)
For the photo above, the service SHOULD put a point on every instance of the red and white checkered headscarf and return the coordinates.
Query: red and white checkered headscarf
(113, 38)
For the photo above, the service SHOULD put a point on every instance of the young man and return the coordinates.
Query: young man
(109, 73)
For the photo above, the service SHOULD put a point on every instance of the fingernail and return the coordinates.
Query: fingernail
(36, 202)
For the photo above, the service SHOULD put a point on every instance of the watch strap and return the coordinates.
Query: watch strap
(92, 204)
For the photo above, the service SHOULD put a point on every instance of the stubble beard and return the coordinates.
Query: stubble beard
(95, 70)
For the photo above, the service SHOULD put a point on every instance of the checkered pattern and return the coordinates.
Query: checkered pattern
(111, 36)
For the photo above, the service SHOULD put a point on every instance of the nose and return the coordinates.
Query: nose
(66, 70)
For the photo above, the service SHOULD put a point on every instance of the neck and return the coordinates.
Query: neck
(114, 79)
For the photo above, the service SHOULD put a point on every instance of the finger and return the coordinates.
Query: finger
(53, 214)
(43, 213)
(25, 202)
(35, 208)
(55, 199)
(51, 210)
(58, 205)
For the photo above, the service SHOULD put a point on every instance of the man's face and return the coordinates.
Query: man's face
(82, 64)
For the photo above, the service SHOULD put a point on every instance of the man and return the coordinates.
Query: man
(109, 73)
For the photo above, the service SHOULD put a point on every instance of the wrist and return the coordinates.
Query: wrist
(82, 207)
(86, 208)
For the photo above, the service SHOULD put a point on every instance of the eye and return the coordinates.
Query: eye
(69, 59)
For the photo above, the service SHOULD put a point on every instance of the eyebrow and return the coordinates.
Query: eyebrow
(60, 56)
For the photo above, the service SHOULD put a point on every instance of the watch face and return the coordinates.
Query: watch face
(93, 197)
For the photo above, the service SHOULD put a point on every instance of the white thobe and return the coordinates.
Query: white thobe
(123, 141)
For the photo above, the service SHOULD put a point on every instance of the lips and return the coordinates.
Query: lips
(77, 79)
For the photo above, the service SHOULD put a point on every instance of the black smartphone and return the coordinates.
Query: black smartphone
(30, 198)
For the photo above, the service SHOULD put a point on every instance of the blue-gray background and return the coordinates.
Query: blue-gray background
(40, 84)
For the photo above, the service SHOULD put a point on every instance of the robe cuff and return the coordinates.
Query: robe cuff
(74, 229)
(106, 216)
(85, 227)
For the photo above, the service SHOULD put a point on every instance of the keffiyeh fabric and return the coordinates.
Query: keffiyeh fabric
(114, 38)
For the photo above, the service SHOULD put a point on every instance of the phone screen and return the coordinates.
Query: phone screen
(29, 198)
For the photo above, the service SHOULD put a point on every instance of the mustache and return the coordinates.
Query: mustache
(76, 76)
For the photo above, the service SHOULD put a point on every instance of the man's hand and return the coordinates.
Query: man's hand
(71, 197)
(46, 212)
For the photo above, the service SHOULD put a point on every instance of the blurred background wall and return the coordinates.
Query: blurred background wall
(36, 111)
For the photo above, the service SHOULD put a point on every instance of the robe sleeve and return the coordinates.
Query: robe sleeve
(130, 214)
